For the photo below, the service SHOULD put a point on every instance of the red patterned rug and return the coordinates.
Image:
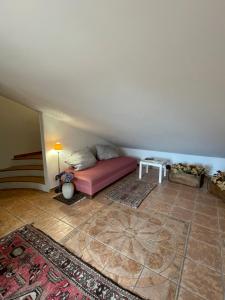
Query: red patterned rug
(33, 267)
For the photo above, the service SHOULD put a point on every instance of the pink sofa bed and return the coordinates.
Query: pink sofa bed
(105, 172)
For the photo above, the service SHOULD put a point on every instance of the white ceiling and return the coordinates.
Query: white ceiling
(141, 73)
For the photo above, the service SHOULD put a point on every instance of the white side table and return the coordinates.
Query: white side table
(158, 163)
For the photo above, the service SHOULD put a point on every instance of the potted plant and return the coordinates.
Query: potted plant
(68, 185)
(216, 185)
(191, 175)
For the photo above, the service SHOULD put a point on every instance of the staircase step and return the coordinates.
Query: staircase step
(22, 162)
(23, 185)
(31, 155)
(18, 173)
(37, 156)
(23, 167)
(23, 170)
(26, 172)
(34, 179)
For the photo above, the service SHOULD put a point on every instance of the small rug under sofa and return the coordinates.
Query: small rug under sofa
(130, 190)
(33, 266)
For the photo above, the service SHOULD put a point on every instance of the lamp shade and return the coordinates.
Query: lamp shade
(58, 146)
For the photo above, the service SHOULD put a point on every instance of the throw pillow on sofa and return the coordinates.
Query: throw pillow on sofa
(106, 152)
(82, 159)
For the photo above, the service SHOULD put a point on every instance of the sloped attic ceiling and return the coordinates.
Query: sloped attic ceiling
(147, 74)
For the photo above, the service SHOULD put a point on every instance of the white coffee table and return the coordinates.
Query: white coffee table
(158, 163)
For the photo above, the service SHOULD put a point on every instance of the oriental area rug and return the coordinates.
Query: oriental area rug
(130, 190)
(33, 266)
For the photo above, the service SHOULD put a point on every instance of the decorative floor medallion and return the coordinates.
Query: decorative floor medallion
(148, 246)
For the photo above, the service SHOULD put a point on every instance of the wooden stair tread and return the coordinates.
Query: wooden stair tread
(25, 167)
(27, 154)
(26, 157)
(35, 179)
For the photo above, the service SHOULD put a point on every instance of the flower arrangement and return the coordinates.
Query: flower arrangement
(219, 180)
(67, 177)
(188, 169)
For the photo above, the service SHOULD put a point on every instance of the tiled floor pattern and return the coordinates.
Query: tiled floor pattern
(143, 249)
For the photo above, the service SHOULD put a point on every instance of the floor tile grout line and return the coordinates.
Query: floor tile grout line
(35, 216)
(194, 211)
(211, 268)
(115, 250)
(222, 266)
(68, 236)
(218, 231)
(82, 223)
(204, 265)
(17, 217)
(189, 290)
(206, 243)
(47, 212)
(206, 228)
(86, 246)
(185, 255)
(59, 218)
(138, 277)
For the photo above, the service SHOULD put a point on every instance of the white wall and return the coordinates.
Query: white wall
(71, 138)
(213, 163)
(19, 130)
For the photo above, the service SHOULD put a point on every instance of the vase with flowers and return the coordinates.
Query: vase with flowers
(68, 185)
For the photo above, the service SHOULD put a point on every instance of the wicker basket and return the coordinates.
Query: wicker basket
(215, 190)
(186, 179)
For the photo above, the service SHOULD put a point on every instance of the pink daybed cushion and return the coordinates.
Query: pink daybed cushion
(105, 172)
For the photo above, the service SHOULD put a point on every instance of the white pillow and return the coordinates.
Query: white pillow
(106, 152)
(82, 159)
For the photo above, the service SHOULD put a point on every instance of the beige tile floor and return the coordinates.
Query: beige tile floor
(171, 247)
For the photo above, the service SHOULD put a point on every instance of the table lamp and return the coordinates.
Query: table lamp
(58, 147)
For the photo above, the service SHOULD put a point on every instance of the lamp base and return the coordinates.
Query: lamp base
(58, 189)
